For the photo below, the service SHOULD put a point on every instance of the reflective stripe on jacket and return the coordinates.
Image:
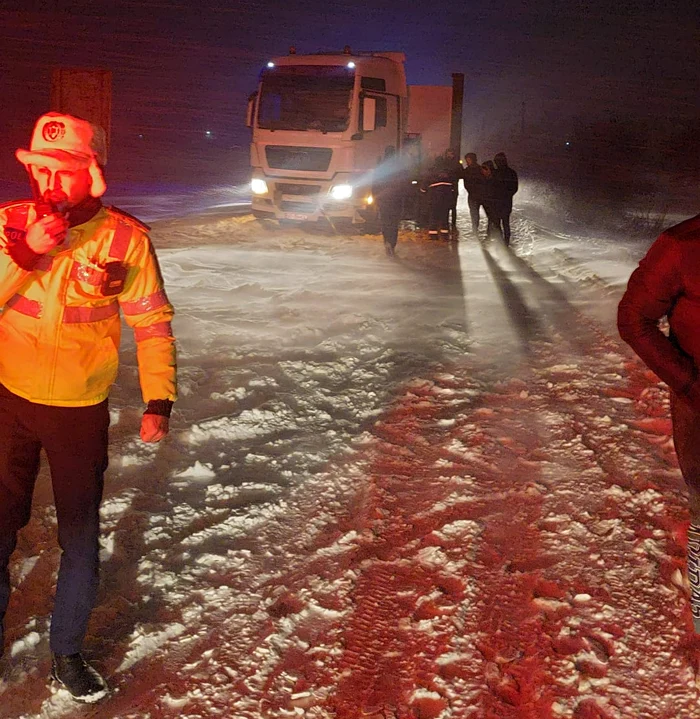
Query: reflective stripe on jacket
(60, 331)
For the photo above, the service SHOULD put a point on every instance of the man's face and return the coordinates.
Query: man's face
(71, 186)
(469, 160)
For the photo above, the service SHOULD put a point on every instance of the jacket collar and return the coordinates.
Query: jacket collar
(84, 212)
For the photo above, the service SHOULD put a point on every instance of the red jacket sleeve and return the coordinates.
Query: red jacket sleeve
(651, 293)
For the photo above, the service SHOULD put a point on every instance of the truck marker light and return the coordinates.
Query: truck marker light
(258, 186)
(270, 64)
(370, 200)
(341, 192)
(351, 65)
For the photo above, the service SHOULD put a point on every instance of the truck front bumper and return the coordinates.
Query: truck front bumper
(309, 201)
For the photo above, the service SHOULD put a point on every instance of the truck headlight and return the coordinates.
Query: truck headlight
(258, 186)
(341, 192)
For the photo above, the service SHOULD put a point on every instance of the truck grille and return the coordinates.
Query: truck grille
(306, 208)
(315, 159)
(289, 188)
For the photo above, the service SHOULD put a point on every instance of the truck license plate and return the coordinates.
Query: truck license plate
(295, 216)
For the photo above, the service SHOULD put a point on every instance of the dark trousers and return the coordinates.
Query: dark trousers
(493, 225)
(75, 442)
(503, 223)
(390, 217)
(452, 215)
(474, 206)
(686, 440)
(440, 200)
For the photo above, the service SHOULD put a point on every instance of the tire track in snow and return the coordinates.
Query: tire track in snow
(545, 646)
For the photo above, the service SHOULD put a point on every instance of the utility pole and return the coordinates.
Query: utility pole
(456, 120)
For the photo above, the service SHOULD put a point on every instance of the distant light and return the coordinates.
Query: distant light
(140, 136)
(207, 133)
(351, 65)
(370, 200)
(270, 64)
(414, 182)
(567, 143)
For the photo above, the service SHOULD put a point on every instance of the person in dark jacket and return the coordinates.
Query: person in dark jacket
(667, 283)
(506, 185)
(473, 182)
(440, 200)
(389, 190)
(451, 165)
(489, 197)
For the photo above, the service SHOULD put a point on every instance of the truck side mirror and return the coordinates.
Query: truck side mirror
(369, 114)
(250, 114)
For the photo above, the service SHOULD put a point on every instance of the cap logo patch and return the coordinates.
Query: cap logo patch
(53, 131)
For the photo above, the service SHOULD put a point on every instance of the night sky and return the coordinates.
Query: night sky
(181, 68)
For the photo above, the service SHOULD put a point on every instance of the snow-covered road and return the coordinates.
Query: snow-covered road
(438, 486)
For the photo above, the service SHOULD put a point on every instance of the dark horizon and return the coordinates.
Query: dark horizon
(180, 70)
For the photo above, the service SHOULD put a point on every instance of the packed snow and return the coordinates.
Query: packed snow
(432, 486)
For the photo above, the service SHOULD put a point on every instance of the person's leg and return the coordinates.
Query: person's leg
(75, 441)
(444, 219)
(394, 231)
(19, 464)
(686, 439)
(505, 220)
(434, 210)
(390, 231)
(474, 206)
(492, 228)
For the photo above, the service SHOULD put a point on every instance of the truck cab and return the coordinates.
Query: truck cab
(320, 124)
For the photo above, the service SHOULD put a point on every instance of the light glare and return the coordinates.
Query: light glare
(341, 192)
(258, 186)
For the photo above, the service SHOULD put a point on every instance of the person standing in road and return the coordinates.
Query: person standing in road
(440, 198)
(389, 191)
(489, 197)
(451, 165)
(505, 186)
(68, 268)
(667, 283)
(473, 181)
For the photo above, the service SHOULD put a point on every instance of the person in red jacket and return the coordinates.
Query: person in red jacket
(667, 283)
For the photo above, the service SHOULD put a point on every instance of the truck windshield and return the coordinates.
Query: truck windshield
(306, 97)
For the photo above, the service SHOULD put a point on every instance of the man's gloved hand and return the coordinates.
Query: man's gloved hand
(154, 427)
(46, 233)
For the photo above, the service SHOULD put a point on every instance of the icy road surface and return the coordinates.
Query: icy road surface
(435, 487)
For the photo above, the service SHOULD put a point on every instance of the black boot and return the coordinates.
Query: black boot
(78, 677)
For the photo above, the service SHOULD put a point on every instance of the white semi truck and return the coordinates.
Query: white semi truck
(322, 122)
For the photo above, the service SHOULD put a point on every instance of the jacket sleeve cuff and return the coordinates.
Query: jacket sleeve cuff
(162, 407)
(22, 255)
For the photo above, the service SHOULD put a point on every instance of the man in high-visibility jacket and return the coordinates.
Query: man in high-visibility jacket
(68, 266)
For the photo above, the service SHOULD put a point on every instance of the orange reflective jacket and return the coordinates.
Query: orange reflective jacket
(60, 323)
